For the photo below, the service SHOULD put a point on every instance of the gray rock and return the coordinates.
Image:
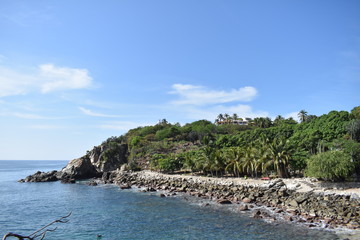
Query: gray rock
(80, 168)
(118, 153)
(243, 207)
(41, 177)
(224, 201)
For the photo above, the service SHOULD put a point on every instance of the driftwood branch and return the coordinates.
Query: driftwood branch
(41, 232)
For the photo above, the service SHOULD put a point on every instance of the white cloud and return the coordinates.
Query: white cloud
(46, 78)
(14, 83)
(63, 78)
(94, 114)
(199, 95)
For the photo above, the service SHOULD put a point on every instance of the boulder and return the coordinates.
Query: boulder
(80, 168)
(246, 200)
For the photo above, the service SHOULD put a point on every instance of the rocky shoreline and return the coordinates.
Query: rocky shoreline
(282, 201)
(292, 200)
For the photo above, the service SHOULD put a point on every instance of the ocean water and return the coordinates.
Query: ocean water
(123, 214)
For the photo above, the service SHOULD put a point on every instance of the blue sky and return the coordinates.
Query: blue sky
(73, 73)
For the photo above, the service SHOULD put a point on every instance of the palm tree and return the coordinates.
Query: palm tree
(227, 117)
(233, 157)
(258, 122)
(278, 120)
(268, 123)
(302, 115)
(279, 156)
(235, 116)
(262, 122)
(218, 162)
(248, 161)
(261, 158)
(212, 160)
(206, 160)
(290, 120)
(220, 117)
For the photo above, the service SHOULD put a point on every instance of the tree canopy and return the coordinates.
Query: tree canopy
(282, 147)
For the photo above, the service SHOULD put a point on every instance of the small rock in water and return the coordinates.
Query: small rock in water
(224, 201)
(243, 208)
(150, 189)
(68, 180)
(257, 214)
(125, 187)
(92, 183)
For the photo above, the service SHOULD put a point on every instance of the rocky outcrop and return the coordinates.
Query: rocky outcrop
(101, 159)
(312, 208)
(80, 168)
(108, 158)
(42, 177)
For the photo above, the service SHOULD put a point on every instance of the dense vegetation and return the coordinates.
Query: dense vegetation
(324, 146)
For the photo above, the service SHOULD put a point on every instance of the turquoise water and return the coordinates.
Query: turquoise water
(122, 214)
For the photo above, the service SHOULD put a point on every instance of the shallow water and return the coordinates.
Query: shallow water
(123, 214)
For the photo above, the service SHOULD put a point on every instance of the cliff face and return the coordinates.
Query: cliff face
(108, 158)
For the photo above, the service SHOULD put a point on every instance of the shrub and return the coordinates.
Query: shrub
(166, 163)
(331, 165)
(135, 141)
(168, 132)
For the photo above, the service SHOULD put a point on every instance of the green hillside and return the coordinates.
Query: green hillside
(324, 146)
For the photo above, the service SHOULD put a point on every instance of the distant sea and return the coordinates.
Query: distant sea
(123, 214)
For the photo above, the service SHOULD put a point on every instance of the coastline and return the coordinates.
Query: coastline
(304, 201)
(300, 200)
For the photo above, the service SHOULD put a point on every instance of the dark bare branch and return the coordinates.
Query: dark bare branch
(40, 232)
(16, 235)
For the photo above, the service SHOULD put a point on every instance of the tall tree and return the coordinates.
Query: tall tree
(262, 122)
(227, 117)
(278, 120)
(233, 158)
(302, 115)
(279, 155)
(356, 112)
(220, 117)
(248, 161)
(235, 116)
(354, 129)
